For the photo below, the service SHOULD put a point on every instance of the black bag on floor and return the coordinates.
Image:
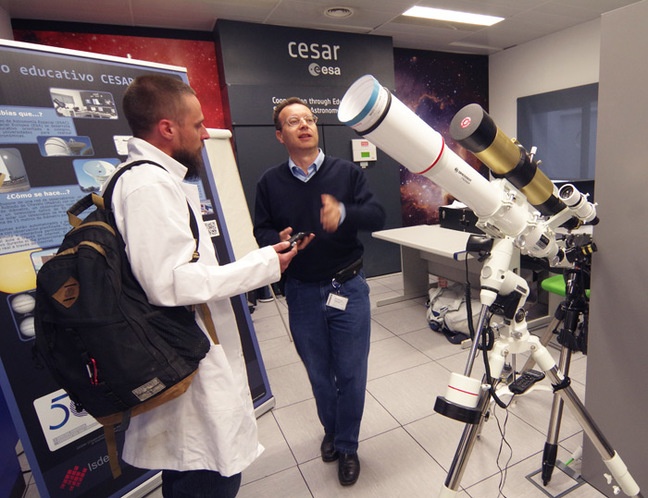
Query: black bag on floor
(114, 353)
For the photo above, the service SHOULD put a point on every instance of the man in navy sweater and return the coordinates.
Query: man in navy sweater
(325, 288)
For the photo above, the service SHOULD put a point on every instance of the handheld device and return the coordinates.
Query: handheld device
(295, 239)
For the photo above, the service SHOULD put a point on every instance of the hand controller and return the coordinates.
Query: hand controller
(295, 239)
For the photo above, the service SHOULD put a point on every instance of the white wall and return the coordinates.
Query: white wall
(616, 394)
(563, 60)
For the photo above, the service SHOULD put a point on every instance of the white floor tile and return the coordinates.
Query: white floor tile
(403, 320)
(376, 286)
(393, 355)
(518, 485)
(276, 456)
(288, 483)
(376, 419)
(278, 352)
(378, 332)
(394, 281)
(534, 407)
(289, 384)
(392, 465)
(264, 310)
(301, 428)
(270, 327)
(410, 394)
(440, 437)
(431, 343)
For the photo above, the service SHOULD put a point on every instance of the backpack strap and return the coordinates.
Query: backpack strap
(102, 202)
(111, 443)
(108, 191)
(122, 419)
(205, 314)
(105, 202)
(194, 230)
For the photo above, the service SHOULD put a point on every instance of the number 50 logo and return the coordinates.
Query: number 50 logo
(60, 421)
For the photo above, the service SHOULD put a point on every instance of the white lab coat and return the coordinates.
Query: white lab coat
(212, 426)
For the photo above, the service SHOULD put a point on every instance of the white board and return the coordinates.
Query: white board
(230, 191)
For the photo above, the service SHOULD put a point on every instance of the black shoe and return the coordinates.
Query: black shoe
(348, 468)
(328, 450)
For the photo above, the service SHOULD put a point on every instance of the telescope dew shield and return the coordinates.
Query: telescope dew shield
(374, 113)
(475, 130)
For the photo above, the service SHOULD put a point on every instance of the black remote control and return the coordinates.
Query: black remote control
(525, 381)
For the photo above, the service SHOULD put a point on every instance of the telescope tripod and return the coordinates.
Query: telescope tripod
(468, 400)
(569, 324)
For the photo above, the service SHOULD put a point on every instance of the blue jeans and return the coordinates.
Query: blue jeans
(199, 484)
(334, 346)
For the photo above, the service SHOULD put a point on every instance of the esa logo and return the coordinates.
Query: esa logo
(315, 70)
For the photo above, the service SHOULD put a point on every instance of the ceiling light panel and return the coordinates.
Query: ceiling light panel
(452, 16)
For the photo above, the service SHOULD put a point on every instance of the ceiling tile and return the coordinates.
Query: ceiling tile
(525, 19)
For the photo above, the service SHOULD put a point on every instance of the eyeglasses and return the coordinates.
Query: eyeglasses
(294, 121)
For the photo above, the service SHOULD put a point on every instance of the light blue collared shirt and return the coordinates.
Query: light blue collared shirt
(298, 173)
(312, 169)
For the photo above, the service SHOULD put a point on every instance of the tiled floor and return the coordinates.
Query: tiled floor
(406, 447)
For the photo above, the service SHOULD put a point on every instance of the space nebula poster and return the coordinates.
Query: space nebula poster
(435, 86)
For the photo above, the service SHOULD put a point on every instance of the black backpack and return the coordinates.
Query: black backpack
(113, 352)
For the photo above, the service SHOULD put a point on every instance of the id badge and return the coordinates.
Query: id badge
(336, 301)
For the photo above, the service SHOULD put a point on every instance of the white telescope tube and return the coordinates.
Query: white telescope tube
(373, 112)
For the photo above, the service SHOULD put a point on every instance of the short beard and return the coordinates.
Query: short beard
(192, 161)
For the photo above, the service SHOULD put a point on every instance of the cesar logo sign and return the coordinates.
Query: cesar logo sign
(313, 51)
(316, 51)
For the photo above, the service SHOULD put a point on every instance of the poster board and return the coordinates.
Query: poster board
(62, 132)
(227, 180)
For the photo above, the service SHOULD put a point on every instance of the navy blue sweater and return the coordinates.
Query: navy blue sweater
(283, 200)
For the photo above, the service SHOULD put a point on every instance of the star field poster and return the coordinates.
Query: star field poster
(436, 86)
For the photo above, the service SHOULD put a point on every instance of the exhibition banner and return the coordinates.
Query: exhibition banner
(62, 133)
(262, 65)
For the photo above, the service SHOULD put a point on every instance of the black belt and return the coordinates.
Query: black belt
(346, 274)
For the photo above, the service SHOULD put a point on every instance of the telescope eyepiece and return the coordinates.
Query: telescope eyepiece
(578, 203)
(569, 195)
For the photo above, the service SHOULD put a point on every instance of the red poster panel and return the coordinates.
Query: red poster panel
(199, 57)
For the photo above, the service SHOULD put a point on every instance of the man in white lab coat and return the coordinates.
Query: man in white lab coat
(203, 439)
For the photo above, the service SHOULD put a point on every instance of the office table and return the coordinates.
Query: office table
(431, 249)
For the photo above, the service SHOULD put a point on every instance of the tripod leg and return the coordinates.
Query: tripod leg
(464, 449)
(610, 458)
(474, 418)
(553, 432)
